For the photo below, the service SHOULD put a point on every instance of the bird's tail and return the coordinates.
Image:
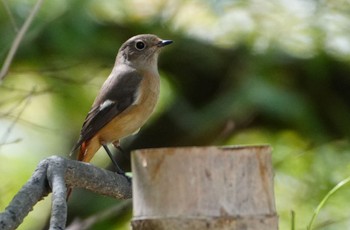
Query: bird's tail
(82, 151)
(80, 157)
(75, 147)
(88, 149)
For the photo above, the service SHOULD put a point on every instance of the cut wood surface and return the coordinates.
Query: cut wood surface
(203, 188)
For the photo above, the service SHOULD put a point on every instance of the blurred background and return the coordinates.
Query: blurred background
(239, 72)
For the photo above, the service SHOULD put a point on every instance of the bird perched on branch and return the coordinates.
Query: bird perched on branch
(127, 98)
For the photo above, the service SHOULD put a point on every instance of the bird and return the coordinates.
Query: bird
(126, 99)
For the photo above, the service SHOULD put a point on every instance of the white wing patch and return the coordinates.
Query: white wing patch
(105, 104)
(137, 96)
(134, 133)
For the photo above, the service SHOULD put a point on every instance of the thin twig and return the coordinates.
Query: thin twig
(21, 97)
(108, 213)
(15, 141)
(31, 124)
(18, 39)
(11, 126)
(12, 19)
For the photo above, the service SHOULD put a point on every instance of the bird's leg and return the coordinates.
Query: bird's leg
(117, 145)
(119, 170)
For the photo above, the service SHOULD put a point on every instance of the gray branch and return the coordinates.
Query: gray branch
(56, 174)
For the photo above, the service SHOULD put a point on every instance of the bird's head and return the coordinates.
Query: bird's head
(141, 50)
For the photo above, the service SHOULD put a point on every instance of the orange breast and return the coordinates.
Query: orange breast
(131, 119)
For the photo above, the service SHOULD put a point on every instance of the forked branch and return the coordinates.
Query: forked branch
(55, 174)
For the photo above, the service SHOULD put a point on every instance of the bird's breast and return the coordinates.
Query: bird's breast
(133, 117)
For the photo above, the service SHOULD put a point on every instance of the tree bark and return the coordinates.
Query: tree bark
(203, 188)
(55, 174)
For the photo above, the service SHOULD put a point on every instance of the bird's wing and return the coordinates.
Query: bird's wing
(117, 94)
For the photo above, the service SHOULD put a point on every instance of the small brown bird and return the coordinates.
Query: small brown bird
(127, 98)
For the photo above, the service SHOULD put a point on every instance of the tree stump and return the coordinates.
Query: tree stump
(203, 188)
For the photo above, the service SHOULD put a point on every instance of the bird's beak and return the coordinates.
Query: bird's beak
(164, 43)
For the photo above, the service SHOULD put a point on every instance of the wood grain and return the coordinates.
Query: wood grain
(203, 188)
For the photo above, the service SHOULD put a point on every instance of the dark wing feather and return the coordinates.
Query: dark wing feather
(121, 91)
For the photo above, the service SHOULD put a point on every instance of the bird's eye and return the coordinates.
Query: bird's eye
(140, 45)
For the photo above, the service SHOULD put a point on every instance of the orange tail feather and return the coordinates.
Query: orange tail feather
(82, 151)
